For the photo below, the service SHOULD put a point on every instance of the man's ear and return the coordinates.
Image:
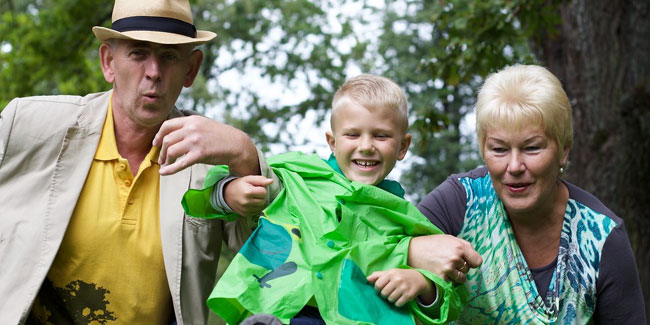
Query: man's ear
(404, 146)
(195, 63)
(330, 140)
(106, 57)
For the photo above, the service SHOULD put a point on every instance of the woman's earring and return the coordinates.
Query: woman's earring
(561, 169)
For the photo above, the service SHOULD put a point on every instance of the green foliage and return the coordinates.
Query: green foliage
(47, 48)
(289, 43)
(438, 51)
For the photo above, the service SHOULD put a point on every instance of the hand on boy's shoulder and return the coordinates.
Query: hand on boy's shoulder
(247, 195)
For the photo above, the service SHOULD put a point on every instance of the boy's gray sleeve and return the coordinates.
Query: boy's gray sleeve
(218, 200)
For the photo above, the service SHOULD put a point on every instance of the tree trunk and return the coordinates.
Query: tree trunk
(601, 54)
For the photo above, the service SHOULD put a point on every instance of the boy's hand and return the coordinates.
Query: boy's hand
(247, 195)
(400, 286)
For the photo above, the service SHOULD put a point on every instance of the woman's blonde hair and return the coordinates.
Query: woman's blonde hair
(523, 96)
(374, 93)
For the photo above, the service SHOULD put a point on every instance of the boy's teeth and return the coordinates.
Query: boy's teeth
(366, 163)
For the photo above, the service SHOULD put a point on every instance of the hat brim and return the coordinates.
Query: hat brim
(202, 36)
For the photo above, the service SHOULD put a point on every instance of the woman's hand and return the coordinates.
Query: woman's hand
(444, 255)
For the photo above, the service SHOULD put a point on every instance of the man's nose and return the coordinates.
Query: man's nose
(152, 68)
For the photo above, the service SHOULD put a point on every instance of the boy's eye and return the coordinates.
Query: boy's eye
(351, 135)
(382, 136)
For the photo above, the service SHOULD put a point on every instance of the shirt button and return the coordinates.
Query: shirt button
(330, 244)
(131, 200)
(319, 275)
(127, 182)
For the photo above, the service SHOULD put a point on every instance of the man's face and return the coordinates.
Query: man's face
(147, 77)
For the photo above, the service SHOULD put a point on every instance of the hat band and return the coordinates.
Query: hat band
(157, 24)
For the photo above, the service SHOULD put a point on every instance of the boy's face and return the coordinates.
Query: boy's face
(366, 144)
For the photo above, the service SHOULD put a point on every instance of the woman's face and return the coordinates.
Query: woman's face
(524, 167)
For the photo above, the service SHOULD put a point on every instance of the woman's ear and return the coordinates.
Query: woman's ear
(565, 157)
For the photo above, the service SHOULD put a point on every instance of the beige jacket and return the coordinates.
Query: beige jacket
(47, 145)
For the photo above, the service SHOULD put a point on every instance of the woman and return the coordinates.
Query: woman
(552, 253)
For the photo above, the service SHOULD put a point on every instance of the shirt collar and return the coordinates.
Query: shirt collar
(387, 184)
(107, 147)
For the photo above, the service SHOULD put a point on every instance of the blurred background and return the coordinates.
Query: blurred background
(275, 65)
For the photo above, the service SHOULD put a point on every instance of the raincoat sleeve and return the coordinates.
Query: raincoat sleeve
(198, 203)
(450, 302)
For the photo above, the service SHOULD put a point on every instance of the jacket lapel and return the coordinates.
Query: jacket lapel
(172, 188)
(72, 165)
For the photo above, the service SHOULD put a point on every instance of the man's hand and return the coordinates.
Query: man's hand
(400, 286)
(444, 255)
(247, 195)
(188, 140)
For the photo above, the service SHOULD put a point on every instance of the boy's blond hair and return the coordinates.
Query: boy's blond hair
(522, 96)
(374, 93)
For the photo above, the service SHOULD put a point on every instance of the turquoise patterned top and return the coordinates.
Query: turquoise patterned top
(503, 290)
(505, 282)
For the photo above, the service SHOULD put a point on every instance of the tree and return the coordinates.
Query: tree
(440, 52)
(601, 56)
(49, 51)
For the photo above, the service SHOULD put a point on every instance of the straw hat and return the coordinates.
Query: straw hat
(156, 21)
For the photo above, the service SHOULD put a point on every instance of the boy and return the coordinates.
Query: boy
(327, 228)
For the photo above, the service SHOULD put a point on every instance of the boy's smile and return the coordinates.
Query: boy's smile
(366, 143)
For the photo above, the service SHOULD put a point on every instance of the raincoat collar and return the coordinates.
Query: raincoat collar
(387, 184)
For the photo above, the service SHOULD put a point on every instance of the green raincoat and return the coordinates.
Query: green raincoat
(320, 237)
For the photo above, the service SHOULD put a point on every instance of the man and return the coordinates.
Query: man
(89, 231)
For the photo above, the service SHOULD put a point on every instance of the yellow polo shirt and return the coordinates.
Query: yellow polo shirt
(110, 264)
